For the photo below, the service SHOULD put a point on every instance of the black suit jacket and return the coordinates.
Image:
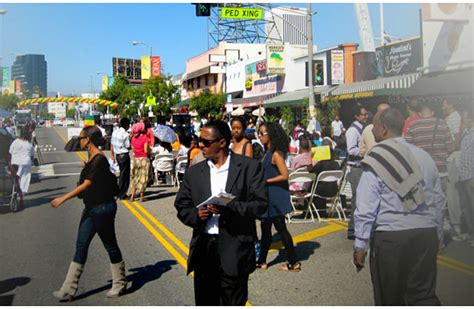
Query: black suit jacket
(237, 230)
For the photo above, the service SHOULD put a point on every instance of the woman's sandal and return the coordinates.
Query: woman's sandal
(262, 266)
(290, 267)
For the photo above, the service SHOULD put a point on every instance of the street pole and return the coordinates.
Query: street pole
(382, 31)
(309, 26)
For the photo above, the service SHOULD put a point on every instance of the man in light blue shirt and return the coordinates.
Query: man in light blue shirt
(403, 243)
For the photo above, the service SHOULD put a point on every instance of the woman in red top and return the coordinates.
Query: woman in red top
(141, 162)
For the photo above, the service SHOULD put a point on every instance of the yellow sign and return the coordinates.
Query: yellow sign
(12, 86)
(146, 67)
(105, 82)
(241, 13)
(150, 100)
(321, 153)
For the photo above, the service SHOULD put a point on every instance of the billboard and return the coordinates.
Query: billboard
(155, 66)
(337, 67)
(399, 58)
(5, 77)
(131, 68)
(275, 59)
(105, 83)
(12, 86)
(17, 86)
(447, 34)
(146, 69)
(260, 82)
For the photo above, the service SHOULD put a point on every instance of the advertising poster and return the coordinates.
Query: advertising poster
(155, 66)
(17, 86)
(337, 67)
(105, 83)
(275, 59)
(146, 69)
(12, 86)
(258, 82)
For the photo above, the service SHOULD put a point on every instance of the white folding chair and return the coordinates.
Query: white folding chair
(301, 177)
(179, 169)
(335, 204)
(164, 163)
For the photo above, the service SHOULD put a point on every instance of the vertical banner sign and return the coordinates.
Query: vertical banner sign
(337, 67)
(146, 68)
(5, 77)
(155, 66)
(105, 83)
(111, 80)
(17, 86)
(275, 59)
(12, 86)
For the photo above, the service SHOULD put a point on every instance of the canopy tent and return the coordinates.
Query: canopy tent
(5, 113)
(445, 83)
(68, 100)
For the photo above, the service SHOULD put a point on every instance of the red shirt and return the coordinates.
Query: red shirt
(138, 145)
(408, 122)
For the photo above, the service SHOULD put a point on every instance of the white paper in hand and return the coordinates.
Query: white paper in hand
(221, 199)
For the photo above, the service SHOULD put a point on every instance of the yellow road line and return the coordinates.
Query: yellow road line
(79, 154)
(181, 260)
(454, 267)
(456, 263)
(163, 229)
(328, 229)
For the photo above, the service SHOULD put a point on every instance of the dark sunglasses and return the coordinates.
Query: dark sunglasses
(207, 142)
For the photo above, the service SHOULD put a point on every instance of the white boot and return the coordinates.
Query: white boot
(69, 288)
(119, 281)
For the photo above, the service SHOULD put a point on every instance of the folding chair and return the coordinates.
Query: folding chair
(179, 169)
(164, 163)
(335, 199)
(301, 177)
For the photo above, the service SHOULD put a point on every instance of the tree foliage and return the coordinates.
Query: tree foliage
(70, 113)
(132, 98)
(326, 112)
(207, 104)
(9, 102)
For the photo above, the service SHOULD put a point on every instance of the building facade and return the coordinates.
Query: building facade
(31, 70)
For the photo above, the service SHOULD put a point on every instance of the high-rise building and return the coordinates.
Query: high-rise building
(131, 68)
(290, 24)
(32, 71)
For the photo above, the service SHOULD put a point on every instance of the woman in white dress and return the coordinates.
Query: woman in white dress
(22, 153)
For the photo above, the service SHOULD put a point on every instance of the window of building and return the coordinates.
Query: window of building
(206, 80)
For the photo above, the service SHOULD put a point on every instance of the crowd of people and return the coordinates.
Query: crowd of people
(412, 181)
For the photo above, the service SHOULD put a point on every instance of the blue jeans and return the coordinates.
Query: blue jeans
(100, 220)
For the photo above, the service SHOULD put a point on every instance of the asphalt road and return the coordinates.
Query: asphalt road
(37, 245)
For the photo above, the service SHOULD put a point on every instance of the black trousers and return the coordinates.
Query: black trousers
(353, 177)
(211, 286)
(403, 267)
(123, 161)
(280, 226)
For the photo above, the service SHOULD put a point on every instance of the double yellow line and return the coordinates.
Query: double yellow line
(442, 260)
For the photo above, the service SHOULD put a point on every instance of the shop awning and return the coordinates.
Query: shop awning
(394, 85)
(295, 98)
(446, 83)
(252, 101)
(198, 73)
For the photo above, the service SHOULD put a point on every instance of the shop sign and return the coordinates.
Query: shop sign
(399, 58)
(276, 59)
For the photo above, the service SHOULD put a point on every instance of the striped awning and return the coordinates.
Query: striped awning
(295, 98)
(394, 83)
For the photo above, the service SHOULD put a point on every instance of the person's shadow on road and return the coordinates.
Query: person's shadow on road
(303, 251)
(9, 285)
(140, 277)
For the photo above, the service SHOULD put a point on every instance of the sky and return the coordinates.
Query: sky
(79, 40)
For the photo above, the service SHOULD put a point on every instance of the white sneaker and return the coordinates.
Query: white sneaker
(461, 237)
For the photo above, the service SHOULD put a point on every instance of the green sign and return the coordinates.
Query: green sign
(239, 13)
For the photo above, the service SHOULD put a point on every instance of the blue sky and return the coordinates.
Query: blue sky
(79, 40)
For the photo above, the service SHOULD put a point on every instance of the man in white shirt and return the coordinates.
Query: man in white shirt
(222, 249)
(120, 153)
(337, 128)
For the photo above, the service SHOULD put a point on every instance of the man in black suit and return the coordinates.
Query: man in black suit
(222, 250)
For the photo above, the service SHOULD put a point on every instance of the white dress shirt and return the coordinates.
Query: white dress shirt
(21, 152)
(218, 182)
(120, 141)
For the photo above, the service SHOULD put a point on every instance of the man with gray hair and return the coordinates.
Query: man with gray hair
(399, 212)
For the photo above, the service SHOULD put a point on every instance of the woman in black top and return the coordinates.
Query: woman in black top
(240, 144)
(98, 188)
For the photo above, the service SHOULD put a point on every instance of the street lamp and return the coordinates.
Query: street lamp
(141, 43)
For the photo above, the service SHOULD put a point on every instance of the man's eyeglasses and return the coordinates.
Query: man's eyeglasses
(207, 142)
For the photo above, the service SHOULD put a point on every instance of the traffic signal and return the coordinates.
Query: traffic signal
(319, 72)
(203, 9)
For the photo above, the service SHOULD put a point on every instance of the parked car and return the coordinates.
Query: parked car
(57, 122)
(69, 122)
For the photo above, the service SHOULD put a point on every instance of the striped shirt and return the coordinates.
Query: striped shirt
(438, 144)
(466, 172)
(454, 123)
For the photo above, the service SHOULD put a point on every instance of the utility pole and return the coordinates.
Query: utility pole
(382, 30)
(309, 26)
